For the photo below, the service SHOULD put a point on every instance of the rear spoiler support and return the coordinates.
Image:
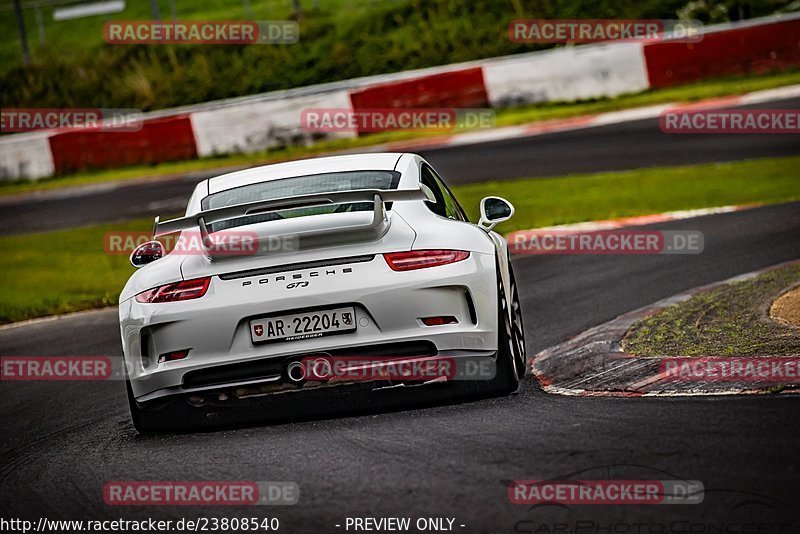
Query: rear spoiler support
(378, 197)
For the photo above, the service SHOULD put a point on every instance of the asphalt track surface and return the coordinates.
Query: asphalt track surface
(615, 147)
(376, 455)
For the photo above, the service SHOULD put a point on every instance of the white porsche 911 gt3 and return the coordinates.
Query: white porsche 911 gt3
(366, 256)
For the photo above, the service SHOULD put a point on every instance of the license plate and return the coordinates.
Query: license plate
(295, 326)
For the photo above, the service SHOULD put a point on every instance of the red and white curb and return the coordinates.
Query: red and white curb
(594, 364)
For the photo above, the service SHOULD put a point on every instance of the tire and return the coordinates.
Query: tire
(518, 327)
(143, 421)
(507, 377)
(161, 416)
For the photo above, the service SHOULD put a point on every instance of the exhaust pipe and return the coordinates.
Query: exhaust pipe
(296, 372)
(299, 371)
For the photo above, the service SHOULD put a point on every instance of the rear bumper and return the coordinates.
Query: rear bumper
(388, 307)
(270, 377)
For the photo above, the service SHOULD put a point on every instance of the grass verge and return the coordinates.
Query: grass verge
(550, 201)
(728, 321)
(68, 270)
(61, 272)
(505, 117)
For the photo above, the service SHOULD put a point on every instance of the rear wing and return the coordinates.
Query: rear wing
(378, 197)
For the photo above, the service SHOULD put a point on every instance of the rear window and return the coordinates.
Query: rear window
(296, 186)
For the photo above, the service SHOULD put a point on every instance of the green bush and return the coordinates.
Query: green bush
(340, 39)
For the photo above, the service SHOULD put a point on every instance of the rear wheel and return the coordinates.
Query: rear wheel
(160, 416)
(517, 328)
(508, 369)
(143, 421)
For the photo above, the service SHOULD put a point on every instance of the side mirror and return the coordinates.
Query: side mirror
(494, 210)
(429, 196)
(147, 253)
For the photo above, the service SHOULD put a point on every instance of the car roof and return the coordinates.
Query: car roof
(353, 162)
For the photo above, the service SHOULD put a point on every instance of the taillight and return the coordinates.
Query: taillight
(174, 355)
(185, 290)
(420, 259)
(439, 321)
